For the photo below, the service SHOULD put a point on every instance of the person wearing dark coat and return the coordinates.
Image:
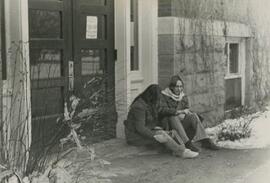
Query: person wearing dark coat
(174, 113)
(141, 126)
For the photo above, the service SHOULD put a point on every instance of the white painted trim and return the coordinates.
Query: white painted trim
(26, 67)
(16, 19)
(128, 81)
(243, 68)
(241, 64)
(239, 73)
(154, 42)
(233, 76)
(122, 65)
(187, 26)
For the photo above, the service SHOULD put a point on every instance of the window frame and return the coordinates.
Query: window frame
(230, 75)
(241, 64)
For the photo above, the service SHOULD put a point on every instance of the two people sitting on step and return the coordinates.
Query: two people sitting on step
(162, 119)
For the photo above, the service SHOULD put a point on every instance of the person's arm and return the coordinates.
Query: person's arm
(164, 109)
(139, 119)
(184, 102)
(183, 107)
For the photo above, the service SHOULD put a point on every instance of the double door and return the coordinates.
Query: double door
(71, 54)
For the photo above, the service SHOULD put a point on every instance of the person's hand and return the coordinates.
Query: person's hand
(161, 138)
(182, 116)
(178, 112)
(186, 111)
(157, 128)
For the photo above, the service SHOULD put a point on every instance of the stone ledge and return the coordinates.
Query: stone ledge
(187, 26)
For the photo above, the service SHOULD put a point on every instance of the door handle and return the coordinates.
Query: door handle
(70, 75)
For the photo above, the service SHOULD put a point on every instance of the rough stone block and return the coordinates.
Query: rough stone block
(219, 44)
(184, 63)
(214, 117)
(188, 83)
(202, 65)
(165, 69)
(200, 102)
(201, 83)
(184, 44)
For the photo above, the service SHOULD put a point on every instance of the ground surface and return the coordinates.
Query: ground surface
(126, 164)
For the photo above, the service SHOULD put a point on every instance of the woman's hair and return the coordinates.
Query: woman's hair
(150, 95)
(174, 80)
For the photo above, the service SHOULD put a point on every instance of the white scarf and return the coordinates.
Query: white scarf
(175, 97)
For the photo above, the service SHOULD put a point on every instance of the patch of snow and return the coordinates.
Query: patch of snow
(260, 136)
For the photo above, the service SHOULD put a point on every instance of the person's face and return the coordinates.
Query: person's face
(178, 88)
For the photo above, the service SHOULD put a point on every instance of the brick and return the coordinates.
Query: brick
(201, 83)
(201, 102)
(165, 69)
(164, 8)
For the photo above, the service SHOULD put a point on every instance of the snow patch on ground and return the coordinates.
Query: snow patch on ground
(260, 134)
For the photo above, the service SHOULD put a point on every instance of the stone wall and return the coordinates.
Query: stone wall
(196, 51)
(200, 61)
(259, 19)
(230, 10)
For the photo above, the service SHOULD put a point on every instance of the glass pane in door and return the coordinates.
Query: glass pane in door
(92, 61)
(46, 63)
(93, 2)
(45, 24)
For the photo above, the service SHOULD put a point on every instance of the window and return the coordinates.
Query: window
(233, 59)
(3, 40)
(233, 79)
(233, 93)
(134, 59)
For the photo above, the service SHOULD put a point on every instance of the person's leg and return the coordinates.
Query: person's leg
(193, 127)
(175, 124)
(178, 149)
(195, 131)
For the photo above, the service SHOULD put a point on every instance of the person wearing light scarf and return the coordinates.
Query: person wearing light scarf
(174, 113)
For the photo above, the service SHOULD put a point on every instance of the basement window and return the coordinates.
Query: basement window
(234, 78)
(233, 58)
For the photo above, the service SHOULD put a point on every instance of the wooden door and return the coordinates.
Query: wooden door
(71, 53)
(50, 32)
(94, 60)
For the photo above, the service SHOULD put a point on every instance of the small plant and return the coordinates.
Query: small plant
(80, 110)
(236, 129)
(241, 111)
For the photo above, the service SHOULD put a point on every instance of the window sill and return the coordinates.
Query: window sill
(233, 76)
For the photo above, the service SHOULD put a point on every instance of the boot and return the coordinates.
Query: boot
(209, 144)
(189, 154)
(191, 146)
(180, 150)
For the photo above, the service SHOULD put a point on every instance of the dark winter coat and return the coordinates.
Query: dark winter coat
(140, 124)
(168, 107)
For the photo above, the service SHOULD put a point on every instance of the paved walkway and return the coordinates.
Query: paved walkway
(118, 163)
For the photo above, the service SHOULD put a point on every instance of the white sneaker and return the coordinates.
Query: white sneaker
(189, 154)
